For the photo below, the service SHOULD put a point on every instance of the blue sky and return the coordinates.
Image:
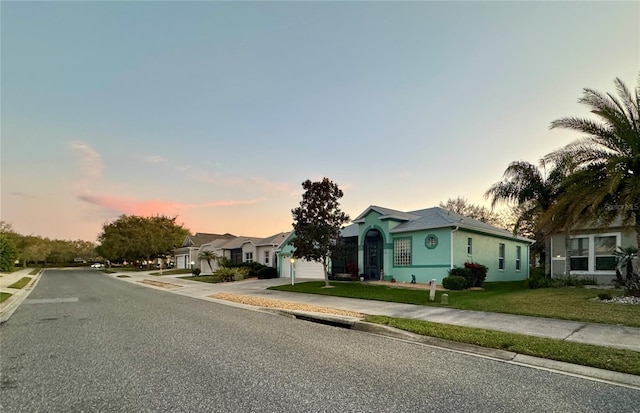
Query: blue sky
(217, 111)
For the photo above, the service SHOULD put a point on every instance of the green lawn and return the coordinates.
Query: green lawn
(21, 283)
(204, 278)
(569, 303)
(4, 296)
(625, 361)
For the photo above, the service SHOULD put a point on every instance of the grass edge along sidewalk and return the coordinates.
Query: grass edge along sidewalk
(623, 361)
(565, 303)
(21, 283)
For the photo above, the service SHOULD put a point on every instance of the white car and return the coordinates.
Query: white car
(97, 265)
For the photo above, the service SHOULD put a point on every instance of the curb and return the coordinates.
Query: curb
(353, 323)
(17, 298)
(591, 373)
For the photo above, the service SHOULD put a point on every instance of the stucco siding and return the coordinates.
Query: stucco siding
(426, 263)
(485, 250)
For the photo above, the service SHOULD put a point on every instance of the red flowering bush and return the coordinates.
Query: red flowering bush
(477, 274)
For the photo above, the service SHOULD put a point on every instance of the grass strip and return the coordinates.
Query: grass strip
(624, 361)
(172, 272)
(567, 303)
(34, 271)
(20, 283)
(204, 278)
(4, 296)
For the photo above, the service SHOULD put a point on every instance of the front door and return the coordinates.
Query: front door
(372, 254)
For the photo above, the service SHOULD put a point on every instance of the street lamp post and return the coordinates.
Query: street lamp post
(293, 271)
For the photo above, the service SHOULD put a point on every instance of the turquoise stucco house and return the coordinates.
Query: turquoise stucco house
(428, 242)
(425, 243)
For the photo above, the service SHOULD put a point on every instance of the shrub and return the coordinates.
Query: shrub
(604, 296)
(477, 274)
(543, 281)
(454, 282)
(267, 272)
(196, 272)
(352, 269)
(227, 274)
(539, 281)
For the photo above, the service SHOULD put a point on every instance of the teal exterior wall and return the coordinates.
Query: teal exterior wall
(485, 251)
(430, 261)
(284, 253)
(427, 263)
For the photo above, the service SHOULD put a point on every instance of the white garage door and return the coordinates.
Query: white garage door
(303, 269)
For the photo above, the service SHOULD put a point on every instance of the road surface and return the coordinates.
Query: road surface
(85, 342)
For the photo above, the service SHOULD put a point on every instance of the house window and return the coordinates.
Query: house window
(518, 256)
(402, 251)
(580, 254)
(431, 241)
(266, 257)
(501, 257)
(248, 257)
(604, 248)
(469, 246)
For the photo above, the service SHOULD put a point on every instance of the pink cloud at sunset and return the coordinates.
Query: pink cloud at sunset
(148, 208)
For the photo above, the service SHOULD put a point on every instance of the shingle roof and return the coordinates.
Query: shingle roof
(386, 214)
(200, 238)
(349, 231)
(274, 240)
(436, 217)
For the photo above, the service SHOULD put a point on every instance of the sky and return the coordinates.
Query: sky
(216, 112)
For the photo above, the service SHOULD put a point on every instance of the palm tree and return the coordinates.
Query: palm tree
(607, 159)
(208, 256)
(534, 192)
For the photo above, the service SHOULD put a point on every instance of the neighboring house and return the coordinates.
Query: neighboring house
(301, 268)
(266, 249)
(186, 255)
(239, 250)
(425, 244)
(590, 250)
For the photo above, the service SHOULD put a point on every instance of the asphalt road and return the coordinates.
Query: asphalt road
(84, 342)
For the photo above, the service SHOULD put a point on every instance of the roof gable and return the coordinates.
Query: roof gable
(200, 238)
(385, 213)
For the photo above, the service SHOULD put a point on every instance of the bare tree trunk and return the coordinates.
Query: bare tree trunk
(547, 254)
(567, 252)
(637, 225)
(326, 273)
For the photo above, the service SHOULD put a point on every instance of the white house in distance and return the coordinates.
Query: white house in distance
(239, 250)
(188, 252)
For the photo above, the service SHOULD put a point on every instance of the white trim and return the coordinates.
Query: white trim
(592, 255)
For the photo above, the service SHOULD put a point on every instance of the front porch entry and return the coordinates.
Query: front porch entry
(372, 255)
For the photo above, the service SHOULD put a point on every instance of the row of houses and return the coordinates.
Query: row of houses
(421, 245)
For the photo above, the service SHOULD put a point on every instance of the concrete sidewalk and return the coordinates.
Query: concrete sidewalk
(8, 306)
(607, 335)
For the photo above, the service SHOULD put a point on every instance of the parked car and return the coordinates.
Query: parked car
(97, 265)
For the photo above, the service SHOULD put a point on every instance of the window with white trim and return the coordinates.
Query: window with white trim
(248, 257)
(518, 257)
(604, 248)
(580, 254)
(402, 251)
(266, 257)
(469, 246)
(500, 256)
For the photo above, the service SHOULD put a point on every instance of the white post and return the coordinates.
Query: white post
(432, 292)
(293, 271)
